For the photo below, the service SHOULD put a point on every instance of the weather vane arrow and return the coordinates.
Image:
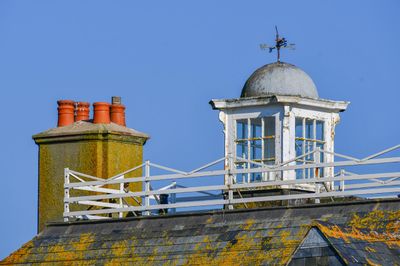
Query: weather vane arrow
(280, 42)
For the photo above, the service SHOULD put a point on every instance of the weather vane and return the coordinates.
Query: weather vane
(279, 43)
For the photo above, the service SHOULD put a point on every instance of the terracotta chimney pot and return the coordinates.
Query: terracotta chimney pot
(82, 111)
(118, 114)
(101, 113)
(117, 111)
(65, 112)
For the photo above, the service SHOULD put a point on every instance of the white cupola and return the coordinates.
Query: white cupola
(278, 118)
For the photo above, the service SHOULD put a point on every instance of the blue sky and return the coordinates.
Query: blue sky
(167, 59)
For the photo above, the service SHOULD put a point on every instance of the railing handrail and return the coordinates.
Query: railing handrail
(238, 186)
(378, 183)
(234, 172)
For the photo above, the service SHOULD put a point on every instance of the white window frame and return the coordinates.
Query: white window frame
(306, 173)
(249, 138)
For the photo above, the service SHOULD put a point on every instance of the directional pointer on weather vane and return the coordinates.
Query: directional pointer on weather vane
(280, 42)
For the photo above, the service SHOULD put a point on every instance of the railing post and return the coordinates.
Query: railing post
(173, 199)
(66, 194)
(317, 160)
(230, 182)
(122, 191)
(342, 173)
(147, 187)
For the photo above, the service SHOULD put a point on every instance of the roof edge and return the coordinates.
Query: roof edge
(87, 130)
(223, 211)
(336, 106)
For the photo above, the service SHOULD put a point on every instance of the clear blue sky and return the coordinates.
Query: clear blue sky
(167, 59)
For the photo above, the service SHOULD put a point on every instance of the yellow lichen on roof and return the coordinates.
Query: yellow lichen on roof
(209, 220)
(120, 248)
(85, 239)
(377, 219)
(371, 263)
(370, 249)
(247, 248)
(72, 250)
(248, 224)
(378, 225)
(262, 237)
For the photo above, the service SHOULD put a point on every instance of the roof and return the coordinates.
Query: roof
(367, 240)
(279, 78)
(358, 232)
(82, 128)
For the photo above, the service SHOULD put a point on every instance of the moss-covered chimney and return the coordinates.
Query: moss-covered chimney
(101, 149)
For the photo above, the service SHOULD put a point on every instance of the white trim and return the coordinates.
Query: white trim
(328, 105)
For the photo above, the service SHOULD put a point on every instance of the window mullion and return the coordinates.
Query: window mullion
(262, 139)
(248, 147)
(262, 144)
(314, 134)
(314, 137)
(304, 146)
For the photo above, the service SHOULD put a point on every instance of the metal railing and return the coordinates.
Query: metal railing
(112, 198)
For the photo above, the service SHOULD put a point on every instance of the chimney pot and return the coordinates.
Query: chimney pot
(65, 112)
(101, 113)
(118, 114)
(117, 111)
(82, 111)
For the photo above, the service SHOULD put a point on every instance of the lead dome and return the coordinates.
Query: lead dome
(279, 79)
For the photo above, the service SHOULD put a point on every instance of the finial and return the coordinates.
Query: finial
(280, 42)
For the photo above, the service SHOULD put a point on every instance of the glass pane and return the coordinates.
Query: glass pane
(309, 129)
(256, 128)
(299, 172)
(299, 127)
(269, 142)
(269, 148)
(269, 126)
(241, 129)
(321, 146)
(320, 130)
(299, 147)
(309, 148)
(254, 177)
(241, 149)
(255, 146)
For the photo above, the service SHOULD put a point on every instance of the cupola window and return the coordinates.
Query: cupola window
(255, 141)
(309, 136)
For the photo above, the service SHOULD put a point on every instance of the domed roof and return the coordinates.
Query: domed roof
(279, 79)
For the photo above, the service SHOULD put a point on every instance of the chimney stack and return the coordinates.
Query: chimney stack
(65, 112)
(117, 111)
(97, 148)
(101, 113)
(82, 111)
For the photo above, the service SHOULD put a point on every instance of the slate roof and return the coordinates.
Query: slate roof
(364, 232)
(373, 242)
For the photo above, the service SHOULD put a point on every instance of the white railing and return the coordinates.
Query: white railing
(111, 198)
